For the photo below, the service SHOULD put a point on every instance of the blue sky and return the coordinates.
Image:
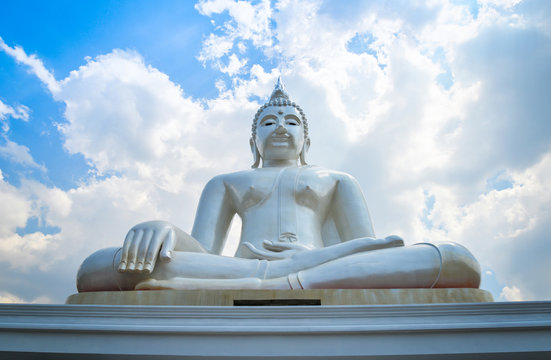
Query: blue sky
(113, 113)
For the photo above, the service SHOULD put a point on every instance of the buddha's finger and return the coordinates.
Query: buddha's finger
(252, 248)
(124, 252)
(168, 246)
(153, 251)
(277, 246)
(281, 246)
(263, 254)
(133, 250)
(142, 249)
(271, 255)
(395, 241)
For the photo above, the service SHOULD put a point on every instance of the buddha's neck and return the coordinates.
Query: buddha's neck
(279, 163)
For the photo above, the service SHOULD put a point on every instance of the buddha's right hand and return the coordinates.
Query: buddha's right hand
(143, 243)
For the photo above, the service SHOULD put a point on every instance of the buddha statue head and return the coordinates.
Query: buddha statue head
(280, 129)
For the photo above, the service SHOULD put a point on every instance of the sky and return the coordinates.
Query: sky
(117, 112)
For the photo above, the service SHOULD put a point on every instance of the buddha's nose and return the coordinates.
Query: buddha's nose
(281, 128)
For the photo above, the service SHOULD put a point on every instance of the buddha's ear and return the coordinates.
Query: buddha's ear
(305, 148)
(256, 154)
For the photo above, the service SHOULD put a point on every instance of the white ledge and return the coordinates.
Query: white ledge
(479, 330)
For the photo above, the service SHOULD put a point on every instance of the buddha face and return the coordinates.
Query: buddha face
(279, 133)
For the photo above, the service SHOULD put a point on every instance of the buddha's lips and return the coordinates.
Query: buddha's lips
(281, 138)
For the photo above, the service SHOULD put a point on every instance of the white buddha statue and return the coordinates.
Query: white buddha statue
(303, 227)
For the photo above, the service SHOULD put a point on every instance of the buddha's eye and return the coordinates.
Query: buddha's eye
(292, 122)
(268, 123)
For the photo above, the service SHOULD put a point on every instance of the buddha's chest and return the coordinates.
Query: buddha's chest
(282, 190)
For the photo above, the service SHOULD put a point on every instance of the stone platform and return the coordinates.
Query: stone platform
(282, 297)
(402, 332)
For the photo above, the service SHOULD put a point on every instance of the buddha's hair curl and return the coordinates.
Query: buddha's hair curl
(280, 102)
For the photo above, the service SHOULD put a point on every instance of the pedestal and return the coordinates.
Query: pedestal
(282, 297)
(419, 331)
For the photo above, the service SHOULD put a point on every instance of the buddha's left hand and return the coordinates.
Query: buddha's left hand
(277, 250)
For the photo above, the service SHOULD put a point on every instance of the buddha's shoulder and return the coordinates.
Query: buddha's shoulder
(319, 171)
(231, 178)
(324, 174)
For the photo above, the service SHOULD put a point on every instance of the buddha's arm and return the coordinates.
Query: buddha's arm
(214, 216)
(349, 210)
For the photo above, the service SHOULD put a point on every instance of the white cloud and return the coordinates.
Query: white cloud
(19, 154)
(10, 150)
(20, 112)
(8, 298)
(511, 294)
(248, 21)
(507, 4)
(504, 228)
(26, 251)
(15, 209)
(33, 62)
(215, 47)
(234, 66)
(127, 117)
(29, 252)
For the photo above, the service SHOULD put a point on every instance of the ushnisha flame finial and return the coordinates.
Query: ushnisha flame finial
(279, 91)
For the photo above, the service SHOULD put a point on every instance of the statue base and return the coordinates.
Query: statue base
(282, 297)
(492, 330)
